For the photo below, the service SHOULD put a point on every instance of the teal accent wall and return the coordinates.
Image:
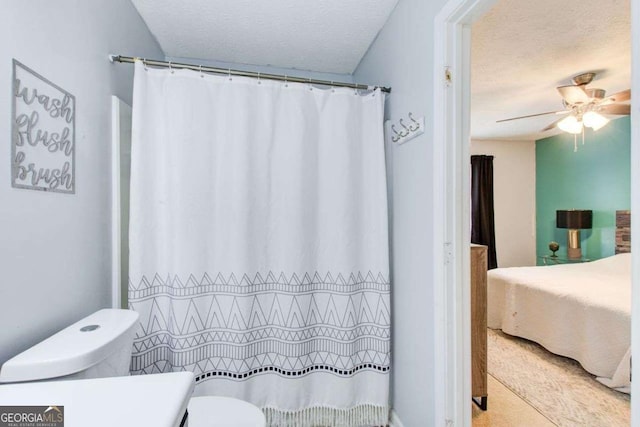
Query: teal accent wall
(596, 177)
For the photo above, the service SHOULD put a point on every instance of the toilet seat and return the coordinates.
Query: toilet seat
(216, 411)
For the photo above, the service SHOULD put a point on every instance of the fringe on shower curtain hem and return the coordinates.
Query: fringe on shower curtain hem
(319, 416)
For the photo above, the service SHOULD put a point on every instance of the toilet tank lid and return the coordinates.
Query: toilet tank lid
(73, 349)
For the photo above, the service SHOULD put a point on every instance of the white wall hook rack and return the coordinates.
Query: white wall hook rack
(402, 132)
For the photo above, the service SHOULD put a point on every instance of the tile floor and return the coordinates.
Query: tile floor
(506, 409)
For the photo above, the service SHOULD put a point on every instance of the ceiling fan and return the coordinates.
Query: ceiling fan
(585, 107)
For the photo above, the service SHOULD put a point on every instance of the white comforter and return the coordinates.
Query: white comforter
(581, 311)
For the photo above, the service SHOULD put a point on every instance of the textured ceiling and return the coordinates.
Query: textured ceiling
(326, 36)
(523, 49)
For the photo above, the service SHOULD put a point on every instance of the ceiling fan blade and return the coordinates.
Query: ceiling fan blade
(616, 109)
(574, 94)
(552, 125)
(621, 96)
(533, 115)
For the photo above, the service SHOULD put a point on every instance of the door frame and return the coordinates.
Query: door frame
(451, 210)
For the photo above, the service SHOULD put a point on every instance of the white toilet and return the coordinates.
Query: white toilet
(100, 346)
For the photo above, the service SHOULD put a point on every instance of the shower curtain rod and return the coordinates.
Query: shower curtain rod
(228, 71)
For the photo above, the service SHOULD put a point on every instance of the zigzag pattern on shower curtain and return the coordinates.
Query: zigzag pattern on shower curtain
(286, 325)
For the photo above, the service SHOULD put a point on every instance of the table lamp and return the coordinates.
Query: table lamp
(574, 220)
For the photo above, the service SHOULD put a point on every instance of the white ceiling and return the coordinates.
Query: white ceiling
(326, 36)
(523, 49)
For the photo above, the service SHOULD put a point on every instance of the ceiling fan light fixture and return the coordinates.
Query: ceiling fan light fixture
(584, 107)
(570, 124)
(594, 120)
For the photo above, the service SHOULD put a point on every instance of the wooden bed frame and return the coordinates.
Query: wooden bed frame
(623, 232)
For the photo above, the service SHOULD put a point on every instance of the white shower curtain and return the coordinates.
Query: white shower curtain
(258, 243)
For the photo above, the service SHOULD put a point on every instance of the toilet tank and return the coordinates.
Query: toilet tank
(97, 346)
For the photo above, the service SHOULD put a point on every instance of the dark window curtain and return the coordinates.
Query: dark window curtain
(483, 230)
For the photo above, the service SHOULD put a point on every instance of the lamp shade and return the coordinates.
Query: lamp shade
(570, 124)
(594, 120)
(574, 219)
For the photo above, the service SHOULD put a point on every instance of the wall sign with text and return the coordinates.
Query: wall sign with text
(42, 133)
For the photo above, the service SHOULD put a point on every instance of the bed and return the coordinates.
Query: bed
(581, 311)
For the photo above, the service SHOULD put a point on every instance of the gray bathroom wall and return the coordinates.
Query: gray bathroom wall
(55, 248)
(402, 57)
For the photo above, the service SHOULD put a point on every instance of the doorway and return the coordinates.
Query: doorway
(451, 206)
